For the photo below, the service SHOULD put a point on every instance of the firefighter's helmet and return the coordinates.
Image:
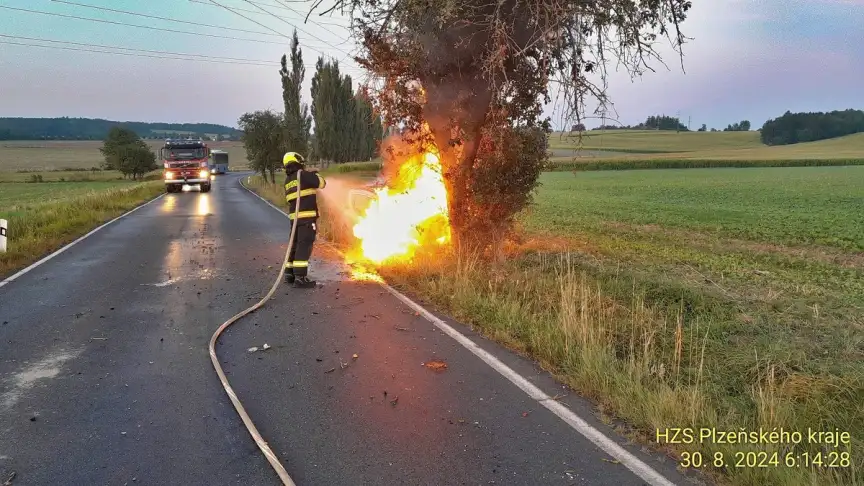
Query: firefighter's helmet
(292, 157)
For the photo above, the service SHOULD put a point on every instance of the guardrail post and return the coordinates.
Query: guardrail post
(4, 228)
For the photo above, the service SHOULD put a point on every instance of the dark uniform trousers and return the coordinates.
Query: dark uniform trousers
(306, 217)
(304, 240)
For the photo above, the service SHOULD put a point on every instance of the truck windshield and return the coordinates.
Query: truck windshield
(219, 158)
(176, 153)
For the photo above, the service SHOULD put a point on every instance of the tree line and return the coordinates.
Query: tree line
(809, 127)
(346, 127)
(65, 128)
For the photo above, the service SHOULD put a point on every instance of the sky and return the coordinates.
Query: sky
(747, 59)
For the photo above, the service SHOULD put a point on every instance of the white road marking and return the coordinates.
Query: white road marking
(599, 439)
(79, 240)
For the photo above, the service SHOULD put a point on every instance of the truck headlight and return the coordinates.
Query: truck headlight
(205, 174)
(169, 175)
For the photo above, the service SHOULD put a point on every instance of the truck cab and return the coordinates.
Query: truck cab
(185, 163)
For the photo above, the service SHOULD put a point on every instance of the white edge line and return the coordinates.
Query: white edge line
(79, 240)
(599, 439)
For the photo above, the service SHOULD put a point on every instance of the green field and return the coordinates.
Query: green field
(649, 144)
(728, 297)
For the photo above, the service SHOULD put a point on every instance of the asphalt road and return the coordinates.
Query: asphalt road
(105, 378)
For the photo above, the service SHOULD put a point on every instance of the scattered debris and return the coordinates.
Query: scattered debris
(401, 328)
(375, 316)
(525, 414)
(331, 370)
(319, 360)
(394, 401)
(256, 348)
(8, 481)
(99, 339)
(436, 365)
(355, 356)
(33, 418)
(612, 461)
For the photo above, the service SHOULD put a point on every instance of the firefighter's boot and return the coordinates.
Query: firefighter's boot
(304, 283)
(289, 276)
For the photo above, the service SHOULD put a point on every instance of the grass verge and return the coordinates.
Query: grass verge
(37, 228)
(674, 328)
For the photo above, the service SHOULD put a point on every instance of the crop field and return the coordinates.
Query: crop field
(732, 297)
(741, 146)
(81, 155)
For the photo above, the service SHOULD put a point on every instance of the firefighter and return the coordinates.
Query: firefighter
(297, 268)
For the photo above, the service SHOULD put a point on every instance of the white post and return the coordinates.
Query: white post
(4, 225)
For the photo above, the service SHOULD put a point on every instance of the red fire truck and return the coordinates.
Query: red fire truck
(185, 163)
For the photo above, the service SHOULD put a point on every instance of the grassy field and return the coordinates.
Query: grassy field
(669, 145)
(43, 217)
(726, 298)
(82, 155)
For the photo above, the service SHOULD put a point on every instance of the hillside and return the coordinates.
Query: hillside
(95, 129)
(652, 144)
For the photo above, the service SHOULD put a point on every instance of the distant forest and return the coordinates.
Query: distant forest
(809, 127)
(96, 129)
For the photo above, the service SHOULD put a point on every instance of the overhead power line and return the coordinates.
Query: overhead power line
(130, 49)
(202, 2)
(135, 54)
(89, 19)
(168, 19)
(271, 14)
(271, 29)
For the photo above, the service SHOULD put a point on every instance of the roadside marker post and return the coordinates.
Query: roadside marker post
(4, 228)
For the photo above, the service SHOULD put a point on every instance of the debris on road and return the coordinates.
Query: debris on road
(262, 348)
(8, 481)
(436, 365)
(394, 401)
(401, 328)
(331, 370)
(355, 356)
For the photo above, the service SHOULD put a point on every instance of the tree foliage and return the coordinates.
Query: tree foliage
(478, 74)
(297, 119)
(742, 126)
(346, 125)
(809, 127)
(653, 122)
(66, 128)
(123, 150)
(264, 138)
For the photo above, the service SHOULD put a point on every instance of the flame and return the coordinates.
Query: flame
(409, 214)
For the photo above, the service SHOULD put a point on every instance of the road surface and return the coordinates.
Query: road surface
(105, 376)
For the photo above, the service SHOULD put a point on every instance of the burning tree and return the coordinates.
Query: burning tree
(479, 72)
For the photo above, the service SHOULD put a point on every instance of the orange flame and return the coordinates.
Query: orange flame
(409, 214)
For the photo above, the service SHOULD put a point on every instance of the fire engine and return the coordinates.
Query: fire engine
(185, 163)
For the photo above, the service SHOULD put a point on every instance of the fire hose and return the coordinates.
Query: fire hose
(262, 444)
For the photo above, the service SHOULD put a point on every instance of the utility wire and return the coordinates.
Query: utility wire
(137, 14)
(102, 46)
(55, 14)
(271, 29)
(134, 54)
(250, 2)
(202, 2)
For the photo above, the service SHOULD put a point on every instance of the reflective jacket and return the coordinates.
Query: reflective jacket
(310, 182)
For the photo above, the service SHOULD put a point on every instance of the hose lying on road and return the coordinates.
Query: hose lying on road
(262, 444)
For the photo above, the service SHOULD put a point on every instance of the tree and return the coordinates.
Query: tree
(742, 126)
(118, 138)
(808, 127)
(264, 138)
(703, 128)
(297, 119)
(471, 77)
(134, 160)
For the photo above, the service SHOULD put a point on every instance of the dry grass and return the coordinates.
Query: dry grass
(38, 227)
(664, 345)
(60, 155)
